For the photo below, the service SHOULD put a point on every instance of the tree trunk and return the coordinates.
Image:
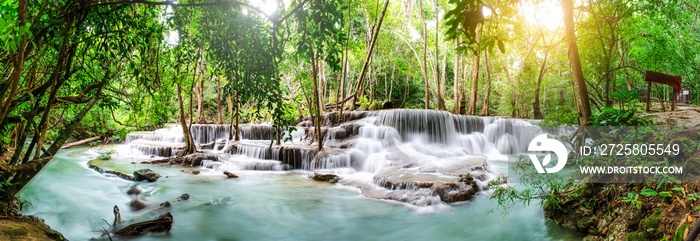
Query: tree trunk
(220, 119)
(455, 85)
(485, 109)
(237, 105)
(359, 90)
(317, 103)
(17, 61)
(189, 143)
(536, 104)
(440, 101)
(425, 57)
(475, 77)
(584, 107)
(345, 69)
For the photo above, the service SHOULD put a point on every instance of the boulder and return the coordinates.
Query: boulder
(230, 175)
(137, 204)
(329, 178)
(145, 174)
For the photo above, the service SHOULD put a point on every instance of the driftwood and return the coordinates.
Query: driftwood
(162, 223)
(77, 143)
(115, 172)
(192, 160)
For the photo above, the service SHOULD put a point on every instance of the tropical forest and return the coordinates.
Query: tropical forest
(349, 119)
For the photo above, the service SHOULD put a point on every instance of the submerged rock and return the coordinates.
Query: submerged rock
(329, 178)
(146, 174)
(134, 190)
(137, 204)
(230, 175)
(408, 185)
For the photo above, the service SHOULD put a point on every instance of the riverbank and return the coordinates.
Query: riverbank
(27, 228)
(627, 211)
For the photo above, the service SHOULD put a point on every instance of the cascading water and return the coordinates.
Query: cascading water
(420, 157)
(416, 159)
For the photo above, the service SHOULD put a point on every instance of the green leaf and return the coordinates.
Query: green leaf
(501, 46)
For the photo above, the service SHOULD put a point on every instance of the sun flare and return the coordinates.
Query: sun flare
(547, 13)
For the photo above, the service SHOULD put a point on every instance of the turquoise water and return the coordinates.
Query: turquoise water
(74, 200)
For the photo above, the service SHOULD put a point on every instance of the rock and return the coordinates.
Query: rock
(651, 223)
(146, 174)
(166, 204)
(195, 172)
(183, 197)
(137, 204)
(230, 175)
(134, 190)
(12, 228)
(329, 178)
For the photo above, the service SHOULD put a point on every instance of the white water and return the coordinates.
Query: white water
(269, 205)
(382, 159)
(386, 154)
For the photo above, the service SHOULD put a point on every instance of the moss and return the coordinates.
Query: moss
(23, 229)
(637, 236)
(651, 223)
(679, 235)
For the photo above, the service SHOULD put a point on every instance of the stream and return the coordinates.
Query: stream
(280, 204)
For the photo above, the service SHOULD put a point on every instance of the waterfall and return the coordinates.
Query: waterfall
(422, 157)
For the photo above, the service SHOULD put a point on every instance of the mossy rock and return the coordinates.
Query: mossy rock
(26, 229)
(651, 223)
(637, 236)
(679, 235)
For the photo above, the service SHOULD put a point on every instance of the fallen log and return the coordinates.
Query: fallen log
(162, 223)
(77, 143)
(115, 172)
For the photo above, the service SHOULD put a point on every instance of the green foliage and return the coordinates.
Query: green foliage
(562, 115)
(632, 198)
(535, 186)
(624, 116)
(106, 154)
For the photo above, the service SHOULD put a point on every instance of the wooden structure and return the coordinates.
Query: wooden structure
(683, 96)
(673, 81)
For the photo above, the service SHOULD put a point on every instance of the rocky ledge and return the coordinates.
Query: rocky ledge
(27, 228)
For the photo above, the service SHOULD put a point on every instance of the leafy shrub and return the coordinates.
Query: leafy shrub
(562, 115)
(106, 154)
(610, 116)
(626, 115)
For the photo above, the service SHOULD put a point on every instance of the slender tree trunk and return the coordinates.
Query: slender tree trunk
(475, 78)
(200, 102)
(425, 57)
(440, 101)
(359, 90)
(201, 118)
(584, 107)
(317, 103)
(189, 143)
(485, 110)
(455, 85)
(229, 101)
(345, 69)
(219, 119)
(237, 105)
(536, 105)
